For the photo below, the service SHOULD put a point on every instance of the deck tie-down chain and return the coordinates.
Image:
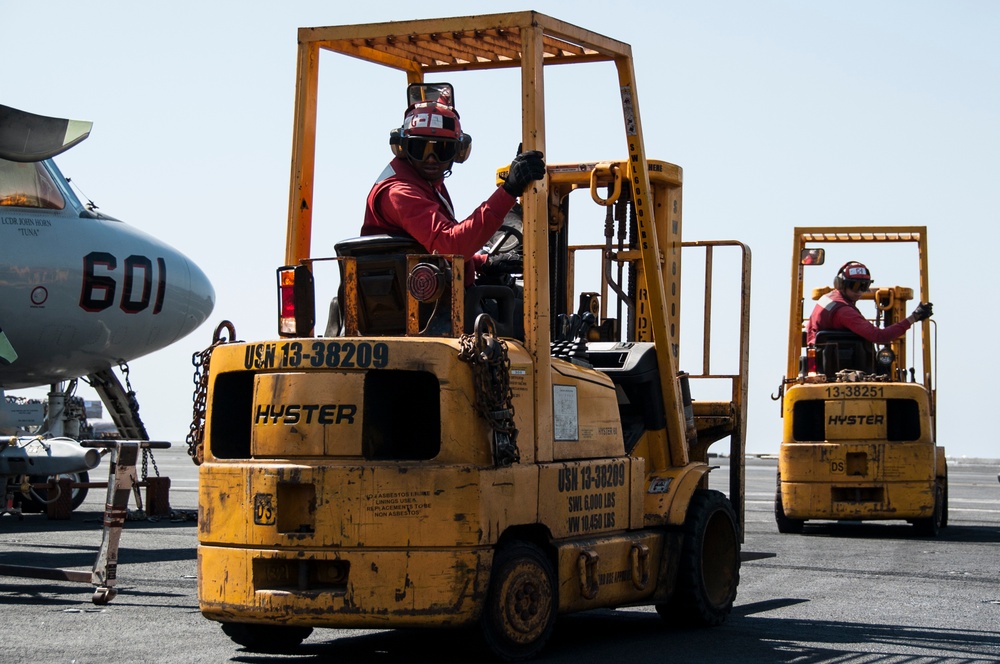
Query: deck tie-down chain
(487, 354)
(201, 360)
(133, 406)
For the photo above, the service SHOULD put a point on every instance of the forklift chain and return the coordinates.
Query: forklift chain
(195, 437)
(487, 354)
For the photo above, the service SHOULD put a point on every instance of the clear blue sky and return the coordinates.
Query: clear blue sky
(780, 113)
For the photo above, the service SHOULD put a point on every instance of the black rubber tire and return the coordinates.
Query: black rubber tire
(267, 638)
(30, 504)
(931, 527)
(944, 506)
(709, 571)
(785, 525)
(520, 610)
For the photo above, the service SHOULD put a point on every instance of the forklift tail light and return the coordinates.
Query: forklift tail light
(296, 301)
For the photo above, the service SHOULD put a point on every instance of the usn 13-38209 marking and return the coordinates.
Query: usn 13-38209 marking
(328, 354)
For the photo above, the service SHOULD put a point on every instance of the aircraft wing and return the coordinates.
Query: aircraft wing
(28, 137)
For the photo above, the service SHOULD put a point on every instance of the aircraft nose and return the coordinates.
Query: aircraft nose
(201, 299)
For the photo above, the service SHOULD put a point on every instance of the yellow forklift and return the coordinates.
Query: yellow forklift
(491, 455)
(859, 434)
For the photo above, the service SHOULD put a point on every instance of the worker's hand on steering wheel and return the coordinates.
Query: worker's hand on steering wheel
(525, 169)
(511, 262)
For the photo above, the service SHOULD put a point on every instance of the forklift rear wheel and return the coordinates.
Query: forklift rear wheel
(786, 525)
(267, 638)
(520, 610)
(944, 505)
(931, 527)
(710, 563)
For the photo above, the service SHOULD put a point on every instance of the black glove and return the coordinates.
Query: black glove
(526, 168)
(509, 263)
(923, 311)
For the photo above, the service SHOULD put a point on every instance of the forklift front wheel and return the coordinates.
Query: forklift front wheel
(710, 563)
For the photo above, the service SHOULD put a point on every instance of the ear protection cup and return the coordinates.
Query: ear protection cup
(464, 148)
(396, 142)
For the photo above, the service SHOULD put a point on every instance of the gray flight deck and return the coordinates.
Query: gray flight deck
(840, 592)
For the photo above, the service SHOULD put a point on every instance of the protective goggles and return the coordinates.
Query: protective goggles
(857, 286)
(420, 149)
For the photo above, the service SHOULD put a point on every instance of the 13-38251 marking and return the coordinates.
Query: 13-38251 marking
(859, 391)
(329, 354)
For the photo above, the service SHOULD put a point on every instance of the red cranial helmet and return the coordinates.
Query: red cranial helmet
(431, 126)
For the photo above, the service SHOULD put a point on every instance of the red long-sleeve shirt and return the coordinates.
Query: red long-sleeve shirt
(834, 312)
(404, 203)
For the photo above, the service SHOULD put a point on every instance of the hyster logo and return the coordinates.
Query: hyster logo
(852, 420)
(306, 413)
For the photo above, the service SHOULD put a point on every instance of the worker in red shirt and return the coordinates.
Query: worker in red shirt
(838, 309)
(410, 199)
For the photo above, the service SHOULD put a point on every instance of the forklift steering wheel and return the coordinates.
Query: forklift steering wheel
(507, 238)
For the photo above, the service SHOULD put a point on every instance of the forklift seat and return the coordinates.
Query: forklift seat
(839, 349)
(382, 272)
(381, 264)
